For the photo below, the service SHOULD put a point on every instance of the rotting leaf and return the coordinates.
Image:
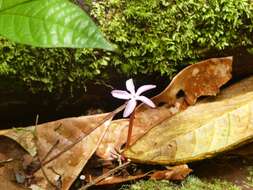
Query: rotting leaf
(66, 131)
(175, 173)
(24, 136)
(10, 149)
(212, 126)
(201, 79)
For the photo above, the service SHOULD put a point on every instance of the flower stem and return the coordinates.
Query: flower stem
(130, 129)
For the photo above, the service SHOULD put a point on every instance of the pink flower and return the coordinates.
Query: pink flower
(133, 96)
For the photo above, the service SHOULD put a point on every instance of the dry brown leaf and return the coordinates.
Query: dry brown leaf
(66, 131)
(10, 149)
(71, 163)
(201, 79)
(173, 173)
(24, 136)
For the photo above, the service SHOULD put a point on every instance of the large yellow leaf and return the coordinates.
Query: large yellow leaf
(201, 79)
(211, 126)
(208, 76)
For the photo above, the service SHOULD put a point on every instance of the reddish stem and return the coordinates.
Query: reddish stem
(130, 129)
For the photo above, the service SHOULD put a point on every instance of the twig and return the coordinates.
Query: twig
(6, 161)
(59, 180)
(51, 150)
(130, 128)
(45, 175)
(107, 117)
(41, 164)
(102, 177)
(53, 170)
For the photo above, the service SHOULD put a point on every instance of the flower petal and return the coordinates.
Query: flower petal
(145, 88)
(121, 94)
(146, 100)
(130, 86)
(129, 107)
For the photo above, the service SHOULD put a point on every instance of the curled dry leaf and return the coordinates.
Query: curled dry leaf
(212, 126)
(172, 173)
(24, 136)
(10, 150)
(201, 79)
(65, 131)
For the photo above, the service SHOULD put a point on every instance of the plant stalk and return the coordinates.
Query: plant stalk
(130, 129)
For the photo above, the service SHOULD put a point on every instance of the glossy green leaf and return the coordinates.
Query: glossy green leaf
(4, 4)
(49, 23)
(212, 126)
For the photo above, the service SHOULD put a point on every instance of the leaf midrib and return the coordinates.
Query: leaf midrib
(78, 31)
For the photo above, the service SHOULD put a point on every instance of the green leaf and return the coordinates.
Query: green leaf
(212, 126)
(8, 3)
(49, 23)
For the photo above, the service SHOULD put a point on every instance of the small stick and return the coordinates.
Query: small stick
(37, 145)
(45, 175)
(51, 150)
(55, 172)
(130, 129)
(102, 177)
(59, 180)
(6, 161)
(45, 162)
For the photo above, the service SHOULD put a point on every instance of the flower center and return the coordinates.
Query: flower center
(134, 96)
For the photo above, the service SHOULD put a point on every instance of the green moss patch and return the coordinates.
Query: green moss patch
(152, 36)
(191, 183)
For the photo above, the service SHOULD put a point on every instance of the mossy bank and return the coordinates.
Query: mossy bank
(153, 36)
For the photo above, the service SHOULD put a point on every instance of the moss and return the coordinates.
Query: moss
(191, 183)
(250, 176)
(154, 36)
(161, 36)
(45, 69)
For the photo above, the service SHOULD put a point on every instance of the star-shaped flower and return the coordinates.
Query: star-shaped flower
(133, 96)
